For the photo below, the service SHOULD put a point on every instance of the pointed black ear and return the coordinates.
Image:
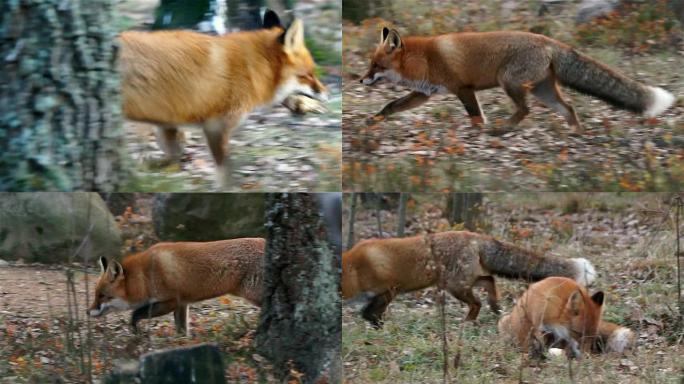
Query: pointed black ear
(271, 19)
(103, 264)
(597, 298)
(385, 32)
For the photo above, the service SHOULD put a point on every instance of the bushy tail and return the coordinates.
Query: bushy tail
(589, 76)
(614, 338)
(509, 260)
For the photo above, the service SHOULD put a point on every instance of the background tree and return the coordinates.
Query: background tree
(464, 208)
(403, 199)
(60, 120)
(300, 324)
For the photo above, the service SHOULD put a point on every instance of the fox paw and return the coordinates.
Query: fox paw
(374, 120)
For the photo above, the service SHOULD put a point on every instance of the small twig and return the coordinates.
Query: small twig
(679, 202)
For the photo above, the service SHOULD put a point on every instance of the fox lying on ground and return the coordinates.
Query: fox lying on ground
(518, 62)
(169, 276)
(382, 268)
(171, 78)
(555, 310)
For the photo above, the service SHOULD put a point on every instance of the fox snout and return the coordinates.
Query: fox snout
(318, 90)
(371, 78)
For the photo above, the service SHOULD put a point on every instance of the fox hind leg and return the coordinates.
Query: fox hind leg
(489, 284)
(180, 317)
(151, 310)
(170, 139)
(547, 92)
(466, 295)
(375, 308)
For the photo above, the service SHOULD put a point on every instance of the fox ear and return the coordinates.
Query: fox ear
(103, 264)
(115, 270)
(271, 19)
(294, 37)
(575, 303)
(383, 34)
(598, 298)
(393, 41)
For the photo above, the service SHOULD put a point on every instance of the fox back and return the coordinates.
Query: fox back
(186, 272)
(184, 77)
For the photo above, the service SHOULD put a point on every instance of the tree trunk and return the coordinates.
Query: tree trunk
(300, 323)
(403, 198)
(352, 218)
(60, 119)
(464, 208)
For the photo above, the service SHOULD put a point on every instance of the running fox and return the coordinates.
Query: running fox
(519, 62)
(169, 276)
(555, 310)
(382, 268)
(171, 78)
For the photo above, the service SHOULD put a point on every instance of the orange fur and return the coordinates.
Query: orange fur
(555, 310)
(171, 78)
(382, 268)
(519, 62)
(169, 276)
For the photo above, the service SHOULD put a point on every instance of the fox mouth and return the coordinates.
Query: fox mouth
(320, 96)
(369, 81)
(96, 312)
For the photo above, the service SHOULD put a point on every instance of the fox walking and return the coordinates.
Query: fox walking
(382, 268)
(518, 62)
(169, 276)
(171, 78)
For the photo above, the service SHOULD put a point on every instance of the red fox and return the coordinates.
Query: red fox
(381, 268)
(171, 78)
(169, 276)
(519, 62)
(555, 310)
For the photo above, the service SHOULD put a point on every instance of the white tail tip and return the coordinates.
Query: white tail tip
(622, 339)
(660, 101)
(585, 273)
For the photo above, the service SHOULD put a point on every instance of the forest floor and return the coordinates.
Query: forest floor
(45, 335)
(272, 150)
(629, 240)
(434, 148)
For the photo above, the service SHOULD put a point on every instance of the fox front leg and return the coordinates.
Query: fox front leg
(151, 310)
(412, 100)
(217, 131)
(472, 106)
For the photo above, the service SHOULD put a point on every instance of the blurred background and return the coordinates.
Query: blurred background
(60, 117)
(433, 147)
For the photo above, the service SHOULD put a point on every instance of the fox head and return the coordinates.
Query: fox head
(110, 291)
(584, 316)
(297, 75)
(385, 61)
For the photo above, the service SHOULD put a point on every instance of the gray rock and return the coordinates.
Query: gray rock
(207, 217)
(199, 363)
(591, 9)
(50, 227)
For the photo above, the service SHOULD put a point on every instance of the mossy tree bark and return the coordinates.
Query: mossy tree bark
(60, 120)
(300, 324)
